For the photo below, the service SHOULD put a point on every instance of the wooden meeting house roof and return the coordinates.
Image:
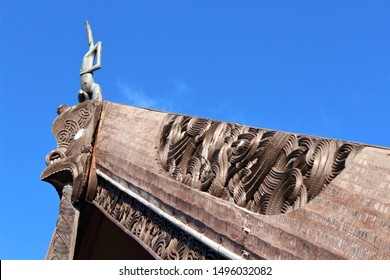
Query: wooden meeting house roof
(142, 184)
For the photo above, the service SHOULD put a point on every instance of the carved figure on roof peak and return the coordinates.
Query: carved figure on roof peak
(91, 62)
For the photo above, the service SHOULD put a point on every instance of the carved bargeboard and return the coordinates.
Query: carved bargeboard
(267, 172)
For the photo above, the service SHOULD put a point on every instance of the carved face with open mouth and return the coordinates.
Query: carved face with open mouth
(74, 130)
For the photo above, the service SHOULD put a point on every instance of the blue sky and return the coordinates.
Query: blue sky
(312, 67)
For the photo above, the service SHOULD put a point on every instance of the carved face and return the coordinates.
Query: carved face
(73, 130)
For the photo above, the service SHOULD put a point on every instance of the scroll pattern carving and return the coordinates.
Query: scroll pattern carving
(160, 235)
(63, 242)
(71, 127)
(74, 130)
(68, 168)
(267, 172)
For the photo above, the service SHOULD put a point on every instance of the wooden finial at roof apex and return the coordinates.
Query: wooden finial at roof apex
(89, 89)
(89, 34)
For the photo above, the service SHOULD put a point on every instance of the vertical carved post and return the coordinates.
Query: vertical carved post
(64, 238)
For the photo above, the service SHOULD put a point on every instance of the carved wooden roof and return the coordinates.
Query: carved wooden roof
(191, 188)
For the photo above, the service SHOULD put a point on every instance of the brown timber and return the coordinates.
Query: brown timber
(348, 219)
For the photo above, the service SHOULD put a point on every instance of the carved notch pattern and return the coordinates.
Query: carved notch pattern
(62, 239)
(160, 235)
(268, 172)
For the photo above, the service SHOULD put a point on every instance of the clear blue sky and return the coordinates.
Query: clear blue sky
(313, 67)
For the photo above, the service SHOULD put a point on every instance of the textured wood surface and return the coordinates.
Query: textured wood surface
(63, 242)
(350, 219)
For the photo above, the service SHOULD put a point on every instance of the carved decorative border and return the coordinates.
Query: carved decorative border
(161, 236)
(268, 172)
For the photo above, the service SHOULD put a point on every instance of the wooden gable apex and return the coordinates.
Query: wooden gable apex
(168, 186)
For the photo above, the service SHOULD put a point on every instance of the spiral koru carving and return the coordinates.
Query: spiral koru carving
(161, 236)
(267, 172)
(72, 126)
(74, 129)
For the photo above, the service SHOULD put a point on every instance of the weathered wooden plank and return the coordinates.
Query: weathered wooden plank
(347, 220)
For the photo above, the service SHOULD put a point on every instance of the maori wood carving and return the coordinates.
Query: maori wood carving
(89, 89)
(73, 129)
(64, 238)
(267, 172)
(155, 232)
